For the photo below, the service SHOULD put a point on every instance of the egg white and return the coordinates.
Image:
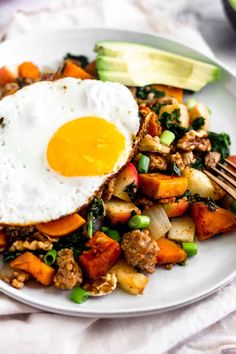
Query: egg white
(30, 191)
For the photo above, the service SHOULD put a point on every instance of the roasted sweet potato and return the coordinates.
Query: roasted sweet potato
(72, 70)
(174, 209)
(3, 240)
(157, 185)
(119, 211)
(210, 223)
(92, 69)
(169, 252)
(171, 91)
(63, 226)
(33, 265)
(102, 255)
(28, 70)
(7, 74)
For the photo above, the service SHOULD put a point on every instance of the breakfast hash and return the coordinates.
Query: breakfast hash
(102, 179)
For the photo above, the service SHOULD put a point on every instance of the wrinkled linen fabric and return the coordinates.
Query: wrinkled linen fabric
(207, 326)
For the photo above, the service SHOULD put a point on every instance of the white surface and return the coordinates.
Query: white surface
(166, 290)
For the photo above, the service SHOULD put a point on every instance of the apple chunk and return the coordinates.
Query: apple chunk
(126, 183)
(119, 211)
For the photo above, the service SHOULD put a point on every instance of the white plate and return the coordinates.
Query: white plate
(214, 266)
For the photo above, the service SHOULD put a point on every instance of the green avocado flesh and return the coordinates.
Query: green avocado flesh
(139, 65)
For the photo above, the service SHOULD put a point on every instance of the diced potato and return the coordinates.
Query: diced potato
(182, 230)
(199, 183)
(128, 278)
(119, 211)
(184, 115)
(200, 110)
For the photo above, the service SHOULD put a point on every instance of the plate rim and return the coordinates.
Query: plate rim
(11, 292)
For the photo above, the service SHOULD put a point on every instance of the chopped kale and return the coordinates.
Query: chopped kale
(193, 198)
(156, 108)
(198, 164)
(220, 143)
(95, 216)
(142, 92)
(131, 190)
(176, 169)
(97, 208)
(198, 123)
(82, 59)
(75, 241)
(9, 256)
(172, 122)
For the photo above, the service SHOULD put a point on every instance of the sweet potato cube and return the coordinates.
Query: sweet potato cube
(210, 223)
(157, 185)
(33, 265)
(169, 252)
(102, 255)
(72, 70)
(7, 74)
(3, 240)
(63, 226)
(28, 70)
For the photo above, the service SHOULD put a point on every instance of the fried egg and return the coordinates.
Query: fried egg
(59, 142)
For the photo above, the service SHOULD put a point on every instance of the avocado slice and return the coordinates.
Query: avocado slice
(139, 65)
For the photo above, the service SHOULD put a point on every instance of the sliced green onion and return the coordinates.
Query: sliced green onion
(190, 248)
(233, 206)
(79, 295)
(191, 103)
(167, 137)
(143, 163)
(105, 229)
(50, 257)
(90, 225)
(114, 234)
(139, 222)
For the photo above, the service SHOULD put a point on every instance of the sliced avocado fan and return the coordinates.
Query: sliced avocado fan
(134, 64)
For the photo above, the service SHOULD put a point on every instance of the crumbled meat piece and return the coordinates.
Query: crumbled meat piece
(108, 190)
(16, 278)
(194, 140)
(143, 202)
(69, 273)
(177, 159)
(33, 245)
(101, 286)
(152, 144)
(140, 250)
(212, 158)
(188, 158)
(157, 163)
(14, 232)
(10, 88)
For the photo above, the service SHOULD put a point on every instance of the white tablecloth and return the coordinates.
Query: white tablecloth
(205, 327)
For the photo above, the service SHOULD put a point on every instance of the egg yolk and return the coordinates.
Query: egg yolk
(88, 146)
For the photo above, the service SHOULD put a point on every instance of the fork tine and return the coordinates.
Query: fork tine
(222, 184)
(230, 163)
(227, 169)
(226, 177)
